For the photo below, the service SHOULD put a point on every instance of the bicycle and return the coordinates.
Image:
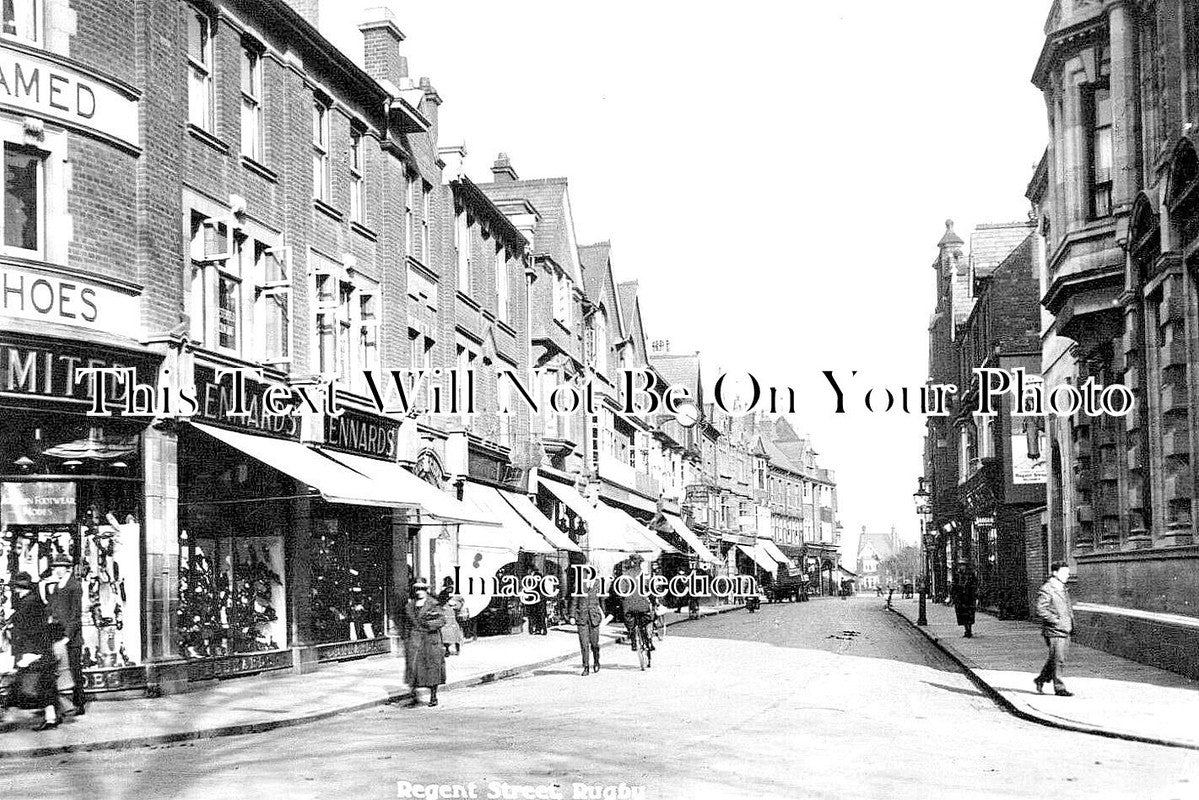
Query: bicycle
(638, 627)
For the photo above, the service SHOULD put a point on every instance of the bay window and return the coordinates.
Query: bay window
(272, 305)
(1098, 109)
(562, 298)
(346, 325)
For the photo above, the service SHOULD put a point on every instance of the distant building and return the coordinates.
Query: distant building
(873, 550)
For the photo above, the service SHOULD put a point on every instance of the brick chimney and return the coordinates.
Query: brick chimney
(381, 39)
(502, 170)
(309, 10)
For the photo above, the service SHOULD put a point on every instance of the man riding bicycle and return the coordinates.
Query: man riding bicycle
(638, 615)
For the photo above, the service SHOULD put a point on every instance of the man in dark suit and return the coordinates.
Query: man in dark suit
(64, 597)
(587, 612)
(1057, 623)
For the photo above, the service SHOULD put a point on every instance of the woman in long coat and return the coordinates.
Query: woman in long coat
(452, 604)
(965, 598)
(33, 649)
(424, 662)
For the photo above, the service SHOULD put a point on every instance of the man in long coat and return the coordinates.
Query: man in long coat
(65, 601)
(424, 652)
(587, 612)
(33, 649)
(1057, 623)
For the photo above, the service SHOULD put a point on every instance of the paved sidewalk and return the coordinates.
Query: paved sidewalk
(282, 699)
(1113, 696)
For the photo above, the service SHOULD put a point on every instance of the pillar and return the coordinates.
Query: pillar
(161, 537)
(298, 579)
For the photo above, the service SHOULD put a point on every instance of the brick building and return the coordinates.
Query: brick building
(1117, 207)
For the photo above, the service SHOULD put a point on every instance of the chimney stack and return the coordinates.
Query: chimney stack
(454, 158)
(309, 10)
(381, 39)
(502, 170)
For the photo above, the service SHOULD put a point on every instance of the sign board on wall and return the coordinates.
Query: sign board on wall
(67, 300)
(37, 503)
(364, 434)
(1028, 456)
(41, 87)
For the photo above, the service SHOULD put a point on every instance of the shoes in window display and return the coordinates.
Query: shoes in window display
(85, 658)
(125, 659)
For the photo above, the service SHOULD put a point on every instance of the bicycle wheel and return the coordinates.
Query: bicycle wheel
(641, 645)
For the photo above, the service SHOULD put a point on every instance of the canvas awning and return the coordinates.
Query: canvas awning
(691, 538)
(513, 533)
(603, 532)
(635, 528)
(524, 506)
(759, 557)
(409, 490)
(335, 482)
(773, 550)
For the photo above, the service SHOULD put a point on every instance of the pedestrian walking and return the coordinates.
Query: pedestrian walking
(535, 608)
(965, 598)
(587, 612)
(424, 653)
(64, 599)
(1057, 623)
(33, 652)
(452, 605)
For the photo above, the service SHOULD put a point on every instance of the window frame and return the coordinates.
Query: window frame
(410, 178)
(320, 150)
(503, 309)
(266, 290)
(200, 71)
(251, 101)
(357, 182)
(1099, 187)
(37, 23)
(40, 156)
(426, 214)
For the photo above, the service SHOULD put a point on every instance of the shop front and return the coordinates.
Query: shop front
(72, 486)
(286, 556)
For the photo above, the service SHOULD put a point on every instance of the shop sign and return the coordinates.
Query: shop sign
(38, 86)
(218, 405)
(1028, 458)
(697, 495)
(37, 503)
(363, 434)
(51, 372)
(45, 297)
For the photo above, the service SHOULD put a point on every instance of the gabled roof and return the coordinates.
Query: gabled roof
(882, 544)
(680, 370)
(991, 244)
(555, 233)
(630, 307)
(775, 454)
(597, 268)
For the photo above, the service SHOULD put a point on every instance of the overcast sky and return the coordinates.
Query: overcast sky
(776, 175)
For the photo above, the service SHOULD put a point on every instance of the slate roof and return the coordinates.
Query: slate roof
(680, 370)
(882, 543)
(627, 292)
(991, 244)
(596, 265)
(950, 237)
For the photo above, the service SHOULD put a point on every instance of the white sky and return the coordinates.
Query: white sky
(776, 175)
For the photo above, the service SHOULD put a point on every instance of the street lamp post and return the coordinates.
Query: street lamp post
(921, 496)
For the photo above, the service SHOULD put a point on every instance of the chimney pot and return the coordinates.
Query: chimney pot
(502, 170)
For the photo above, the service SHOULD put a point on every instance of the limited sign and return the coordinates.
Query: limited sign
(43, 88)
(37, 503)
(44, 297)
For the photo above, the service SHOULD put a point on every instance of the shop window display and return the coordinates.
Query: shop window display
(71, 488)
(348, 580)
(231, 595)
(232, 553)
